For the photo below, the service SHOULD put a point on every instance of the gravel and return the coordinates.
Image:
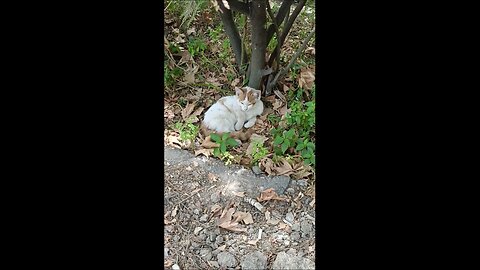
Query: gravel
(254, 260)
(226, 259)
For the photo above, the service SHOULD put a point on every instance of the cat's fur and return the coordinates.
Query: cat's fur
(231, 113)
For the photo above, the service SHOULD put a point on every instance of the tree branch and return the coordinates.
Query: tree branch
(258, 37)
(238, 6)
(295, 56)
(275, 24)
(286, 28)
(282, 12)
(232, 32)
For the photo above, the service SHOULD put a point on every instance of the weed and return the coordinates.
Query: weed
(224, 141)
(196, 46)
(188, 131)
(258, 152)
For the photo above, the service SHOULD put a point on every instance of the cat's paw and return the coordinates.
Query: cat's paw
(238, 126)
(249, 124)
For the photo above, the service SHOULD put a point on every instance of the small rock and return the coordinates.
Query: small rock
(306, 227)
(165, 252)
(296, 227)
(219, 239)
(226, 259)
(290, 190)
(295, 236)
(289, 217)
(196, 211)
(254, 260)
(175, 267)
(256, 170)
(286, 242)
(206, 254)
(204, 218)
(188, 168)
(287, 261)
(292, 252)
(302, 182)
(197, 230)
(215, 197)
(195, 164)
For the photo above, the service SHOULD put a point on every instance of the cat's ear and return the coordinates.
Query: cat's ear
(256, 93)
(238, 91)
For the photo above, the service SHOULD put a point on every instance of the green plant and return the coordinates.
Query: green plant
(224, 141)
(196, 46)
(227, 158)
(258, 152)
(296, 133)
(187, 130)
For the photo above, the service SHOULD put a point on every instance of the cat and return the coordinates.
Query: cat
(232, 113)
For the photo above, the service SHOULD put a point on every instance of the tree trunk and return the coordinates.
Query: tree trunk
(259, 42)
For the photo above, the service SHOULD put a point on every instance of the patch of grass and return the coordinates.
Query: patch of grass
(258, 152)
(196, 46)
(188, 131)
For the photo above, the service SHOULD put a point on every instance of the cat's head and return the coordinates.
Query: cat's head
(247, 97)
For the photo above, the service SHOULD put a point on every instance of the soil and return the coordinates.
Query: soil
(281, 236)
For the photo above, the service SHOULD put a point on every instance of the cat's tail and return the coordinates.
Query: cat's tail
(241, 135)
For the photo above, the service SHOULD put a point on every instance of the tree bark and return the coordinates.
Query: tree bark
(259, 42)
(239, 7)
(232, 33)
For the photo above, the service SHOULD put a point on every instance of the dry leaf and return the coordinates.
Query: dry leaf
(280, 95)
(253, 242)
(270, 194)
(239, 194)
(277, 104)
(310, 50)
(283, 226)
(266, 165)
(267, 215)
(225, 221)
(205, 152)
(284, 169)
(215, 208)
(273, 221)
(207, 143)
(174, 212)
(248, 219)
(306, 79)
(235, 82)
(192, 31)
(166, 222)
(187, 110)
(312, 203)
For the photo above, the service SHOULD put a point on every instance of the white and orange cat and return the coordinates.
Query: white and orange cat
(231, 113)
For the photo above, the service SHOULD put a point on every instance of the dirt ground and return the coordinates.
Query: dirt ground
(228, 217)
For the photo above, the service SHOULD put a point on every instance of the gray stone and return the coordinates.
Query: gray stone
(214, 264)
(287, 261)
(175, 267)
(295, 236)
(215, 197)
(204, 218)
(289, 217)
(302, 182)
(219, 239)
(206, 254)
(296, 227)
(306, 227)
(165, 252)
(290, 190)
(256, 170)
(254, 260)
(226, 259)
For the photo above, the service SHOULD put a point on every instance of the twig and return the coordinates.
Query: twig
(287, 27)
(299, 51)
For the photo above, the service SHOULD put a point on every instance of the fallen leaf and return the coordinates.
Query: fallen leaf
(207, 143)
(239, 194)
(248, 219)
(310, 50)
(169, 222)
(277, 104)
(197, 230)
(252, 242)
(235, 82)
(306, 78)
(280, 95)
(205, 152)
(187, 110)
(270, 194)
(192, 31)
(283, 226)
(284, 169)
(225, 221)
(266, 165)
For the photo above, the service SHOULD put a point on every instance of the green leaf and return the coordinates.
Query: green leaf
(232, 142)
(216, 152)
(215, 137)
(284, 147)
(287, 142)
(311, 145)
(223, 147)
(300, 147)
(224, 136)
(290, 133)
(278, 140)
